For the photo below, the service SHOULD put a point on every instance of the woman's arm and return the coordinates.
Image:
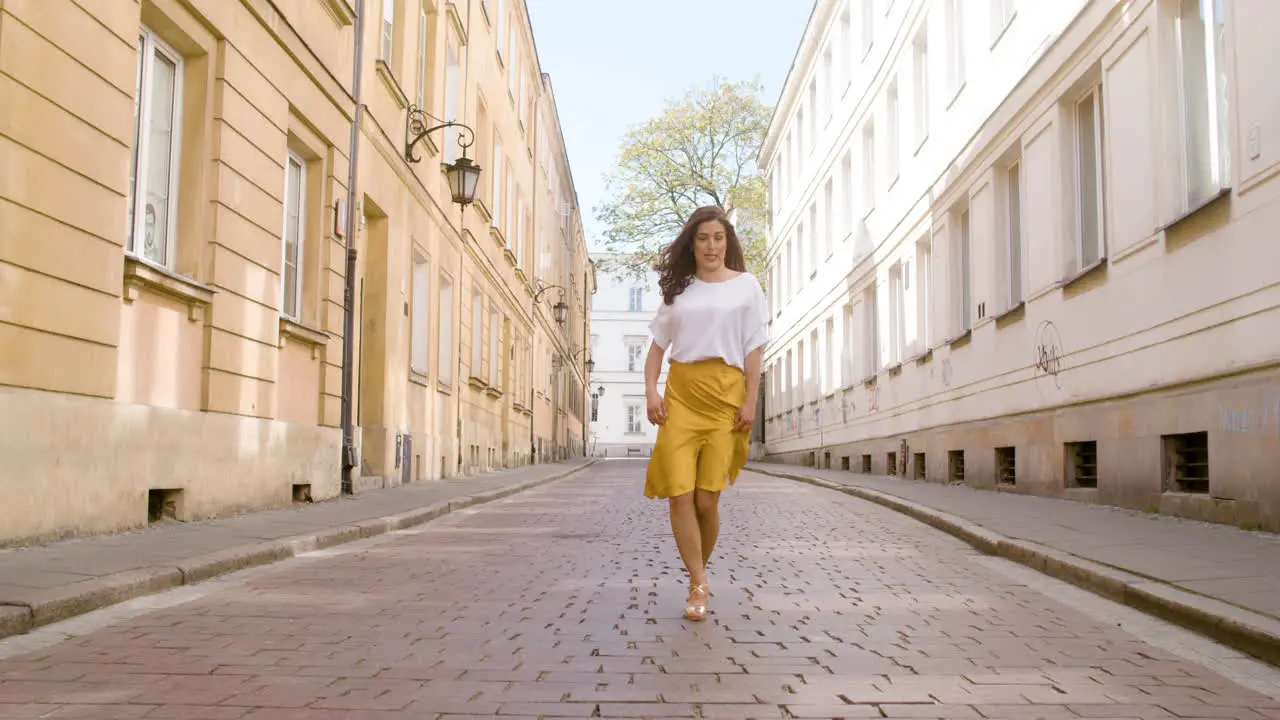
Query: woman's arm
(657, 406)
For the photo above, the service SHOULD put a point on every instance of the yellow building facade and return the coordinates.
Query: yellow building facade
(174, 196)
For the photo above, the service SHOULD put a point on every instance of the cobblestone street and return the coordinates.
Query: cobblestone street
(566, 601)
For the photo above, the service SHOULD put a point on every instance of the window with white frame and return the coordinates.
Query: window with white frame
(496, 210)
(1001, 16)
(814, 112)
(849, 194)
(867, 202)
(1201, 67)
(923, 291)
(519, 229)
(477, 334)
(828, 356)
(829, 224)
(595, 408)
(955, 45)
(801, 146)
(963, 273)
(1088, 171)
(635, 300)
(871, 331)
(495, 348)
(897, 314)
(452, 96)
(424, 45)
(846, 346)
(892, 135)
(802, 376)
(421, 329)
(801, 257)
(507, 224)
(515, 70)
(635, 355)
(500, 38)
(847, 56)
(635, 416)
(445, 334)
(815, 366)
(866, 27)
(789, 394)
(156, 150)
(814, 241)
(295, 196)
(1013, 220)
(920, 84)
(388, 31)
(828, 84)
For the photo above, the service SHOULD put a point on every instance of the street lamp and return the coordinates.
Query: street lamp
(560, 311)
(463, 174)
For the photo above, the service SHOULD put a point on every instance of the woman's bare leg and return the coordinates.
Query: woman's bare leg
(684, 525)
(707, 506)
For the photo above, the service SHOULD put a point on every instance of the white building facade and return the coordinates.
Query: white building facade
(620, 314)
(1031, 246)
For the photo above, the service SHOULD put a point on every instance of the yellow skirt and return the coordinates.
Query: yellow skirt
(697, 446)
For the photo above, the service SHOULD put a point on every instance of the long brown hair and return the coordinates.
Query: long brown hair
(677, 265)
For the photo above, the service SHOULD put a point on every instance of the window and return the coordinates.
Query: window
(452, 97)
(846, 64)
(635, 416)
(846, 346)
(477, 334)
(1201, 69)
(1013, 195)
(868, 180)
(635, 355)
(815, 366)
(495, 349)
(813, 113)
(813, 240)
(790, 392)
(847, 191)
(867, 26)
(897, 314)
(802, 375)
(519, 229)
(514, 72)
(595, 408)
(829, 208)
(497, 181)
(828, 355)
(800, 257)
(445, 369)
(828, 81)
(920, 67)
(892, 133)
(388, 31)
(295, 194)
(955, 45)
(962, 288)
(1088, 152)
(924, 283)
(423, 46)
(801, 147)
(500, 39)
(636, 301)
(1002, 15)
(421, 329)
(871, 324)
(156, 148)
(511, 204)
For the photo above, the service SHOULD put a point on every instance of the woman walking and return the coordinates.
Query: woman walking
(714, 325)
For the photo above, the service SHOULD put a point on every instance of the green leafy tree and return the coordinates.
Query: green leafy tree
(701, 150)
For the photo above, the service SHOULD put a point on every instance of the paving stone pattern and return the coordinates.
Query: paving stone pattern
(566, 601)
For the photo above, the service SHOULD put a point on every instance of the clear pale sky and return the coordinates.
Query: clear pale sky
(614, 63)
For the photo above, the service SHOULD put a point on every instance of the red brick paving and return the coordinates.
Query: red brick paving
(566, 602)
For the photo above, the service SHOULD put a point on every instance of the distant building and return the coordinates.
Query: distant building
(620, 314)
(1031, 245)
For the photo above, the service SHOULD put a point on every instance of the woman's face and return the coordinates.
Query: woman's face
(709, 246)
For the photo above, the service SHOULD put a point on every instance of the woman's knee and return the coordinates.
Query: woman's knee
(705, 501)
(684, 501)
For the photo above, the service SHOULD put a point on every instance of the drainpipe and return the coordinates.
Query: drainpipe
(349, 281)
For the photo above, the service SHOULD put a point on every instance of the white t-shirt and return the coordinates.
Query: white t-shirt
(725, 320)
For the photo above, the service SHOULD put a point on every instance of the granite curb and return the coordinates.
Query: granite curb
(1243, 630)
(43, 607)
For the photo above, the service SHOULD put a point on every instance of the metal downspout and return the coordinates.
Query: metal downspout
(349, 281)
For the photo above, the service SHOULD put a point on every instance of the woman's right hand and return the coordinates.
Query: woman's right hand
(657, 408)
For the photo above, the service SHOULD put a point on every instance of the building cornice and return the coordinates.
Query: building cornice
(802, 65)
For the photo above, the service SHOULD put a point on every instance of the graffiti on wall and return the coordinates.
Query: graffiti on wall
(1263, 419)
(1048, 355)
(873, 398)
(946, 372)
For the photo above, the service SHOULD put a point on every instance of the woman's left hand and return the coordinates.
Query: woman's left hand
(746, 418)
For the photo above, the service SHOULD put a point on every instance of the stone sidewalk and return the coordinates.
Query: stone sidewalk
(565, 602)
(1217, 579)
(47, 583)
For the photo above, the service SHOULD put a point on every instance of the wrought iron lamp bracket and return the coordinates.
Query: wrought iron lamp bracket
(419, 126)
